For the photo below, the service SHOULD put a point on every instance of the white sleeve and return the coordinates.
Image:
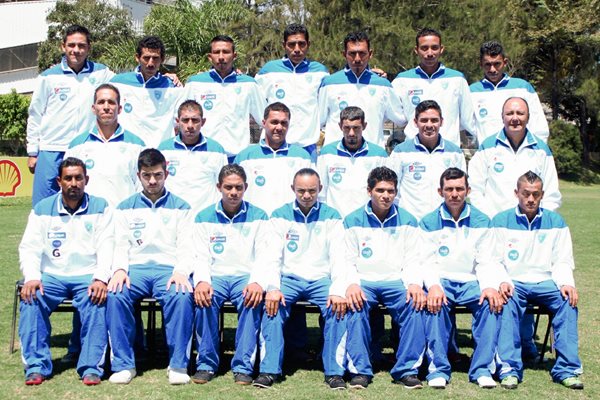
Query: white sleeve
(478, 181)
(203, 259)
(489, 269)
(273, 255)
(322, 171)
(104, 238)
(122, 245)
(468, 121)
(185, 261)
(265, 270)
(31, 248)
(394, 110)
(337, 258)
(562, 259)
(352, 256)
(37, 109)
(412, 271)
(552, 197)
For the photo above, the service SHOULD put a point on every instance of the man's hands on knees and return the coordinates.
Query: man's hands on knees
(181, 282)
(338, 305)
(253, 295)
(418, 296)
(570, 293)
(203, 294)
(117, 281)
(355, 297)
(505, 291)
(435, 298)
(97, 292)
(272, 300)
(28, 290)
(494, 298)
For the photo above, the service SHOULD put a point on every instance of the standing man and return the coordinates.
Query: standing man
(431, 80)
(503, 157)
(230, 238)
(228, 98)
(149, 97)
(60, 109)
(294, 80)
(306, 244)
(382, 242)
(420, 161)
(357, 85)
(462, 269)
(496, 86)
(154, 257)
(344, 165)
(110, 152)
(193, 160)
(66, 252)
(535, 244)
(272, 163)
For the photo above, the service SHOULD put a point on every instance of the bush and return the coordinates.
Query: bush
(566, 146)
(13, 122)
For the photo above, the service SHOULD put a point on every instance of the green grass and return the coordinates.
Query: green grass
(581, 209)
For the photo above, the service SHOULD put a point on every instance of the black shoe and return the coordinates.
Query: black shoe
(409, 382)
(264, 381)
(359, 382)
(202, 377)
(241, 378)
(335, 382)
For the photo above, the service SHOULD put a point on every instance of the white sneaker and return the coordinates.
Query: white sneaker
(486, 382)
(178, 376)
(123, 377)
(437, 383)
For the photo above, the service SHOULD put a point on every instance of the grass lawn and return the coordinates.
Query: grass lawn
(581, 208)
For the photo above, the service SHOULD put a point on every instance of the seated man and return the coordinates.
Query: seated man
(381, 249)
(66, 252)
(535, 244)
(229, 236)
(154, 256)
(306, 245)
(461, 270)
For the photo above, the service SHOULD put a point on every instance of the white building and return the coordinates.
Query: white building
(23, 26)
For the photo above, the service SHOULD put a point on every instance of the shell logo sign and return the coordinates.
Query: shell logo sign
(15, 178)
(10, 178)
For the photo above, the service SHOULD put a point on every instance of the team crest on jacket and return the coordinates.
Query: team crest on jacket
(292, 237)
(88, 226)
(238, 90)
(157, 94)
(541, 237)
(280, 93)
(443, 251)
(343, 104)
(308, 78)
(372, 91)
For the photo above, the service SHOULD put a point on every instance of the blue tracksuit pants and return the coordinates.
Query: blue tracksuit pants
(35, 329)
(246, 335)
(178, 309)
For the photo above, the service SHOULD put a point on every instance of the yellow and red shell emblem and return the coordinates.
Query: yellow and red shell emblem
(10, 178)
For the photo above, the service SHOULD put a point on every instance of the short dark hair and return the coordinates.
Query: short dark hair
(451, 174)
(150, 158)
(308, 172)
(76, 29)
(191, 104)
(110, 87)
(352, 113)
(357, 37)
(427, 105)
(222, 38)
(381, 174)
(232, 169)
(151, 42)
(427, 32)
(530, 177)
(491, 48)
(71, 162)
(295, 29)
(277, 106)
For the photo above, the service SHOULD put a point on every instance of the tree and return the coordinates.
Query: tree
(13, 121)
(107, 24)
(563, 40)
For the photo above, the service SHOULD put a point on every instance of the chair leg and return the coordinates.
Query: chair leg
(546, 339)
(11, 347)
